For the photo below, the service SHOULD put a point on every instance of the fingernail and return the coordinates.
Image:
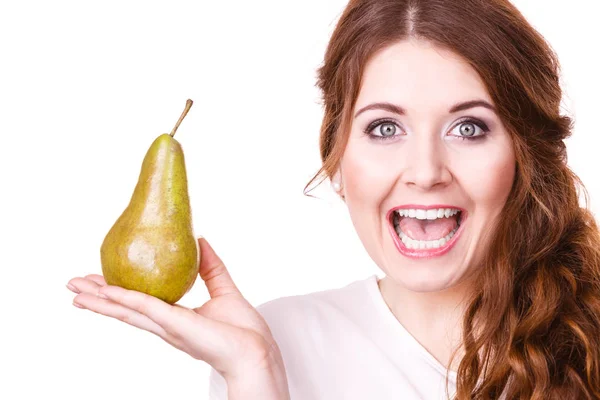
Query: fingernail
(72, 288)
(77, 305)
(200, 237)
(102, 296)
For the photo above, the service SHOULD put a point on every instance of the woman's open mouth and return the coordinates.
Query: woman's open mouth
(426, 231)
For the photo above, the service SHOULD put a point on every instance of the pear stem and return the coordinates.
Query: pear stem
(188, 105)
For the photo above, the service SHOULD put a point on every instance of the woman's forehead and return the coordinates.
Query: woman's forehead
(421, 75)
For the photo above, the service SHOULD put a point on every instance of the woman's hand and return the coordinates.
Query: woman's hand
(226, 332)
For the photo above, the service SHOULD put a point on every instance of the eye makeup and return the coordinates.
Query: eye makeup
(373, 126)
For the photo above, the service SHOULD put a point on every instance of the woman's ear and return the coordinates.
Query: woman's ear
(336, 184)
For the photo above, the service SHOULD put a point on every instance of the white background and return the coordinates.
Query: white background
(85, 87)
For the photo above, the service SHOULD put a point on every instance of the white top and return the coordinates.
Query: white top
(345, 343)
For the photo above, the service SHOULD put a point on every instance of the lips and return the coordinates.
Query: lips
(424, 252)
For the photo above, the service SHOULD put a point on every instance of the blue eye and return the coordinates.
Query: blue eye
(382, 129)
(471, 129)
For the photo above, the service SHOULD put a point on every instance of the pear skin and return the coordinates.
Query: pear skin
(152, 248)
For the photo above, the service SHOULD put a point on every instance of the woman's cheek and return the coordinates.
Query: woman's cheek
(486, 173)
(369, 174)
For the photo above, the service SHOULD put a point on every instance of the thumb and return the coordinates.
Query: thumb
(213, 272)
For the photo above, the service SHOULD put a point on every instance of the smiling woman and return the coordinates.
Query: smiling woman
(439, 148)
(443, 135)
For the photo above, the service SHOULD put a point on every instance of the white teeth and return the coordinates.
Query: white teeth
(430, 215)
(427, 214)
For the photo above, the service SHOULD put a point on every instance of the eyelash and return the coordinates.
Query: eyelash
(482, 125)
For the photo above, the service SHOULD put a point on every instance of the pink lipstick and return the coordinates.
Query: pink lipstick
(392, 215)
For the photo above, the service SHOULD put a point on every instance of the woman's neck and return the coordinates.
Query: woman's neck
(434, 319)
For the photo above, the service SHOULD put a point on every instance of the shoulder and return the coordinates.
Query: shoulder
(314, 330)
(317, 308)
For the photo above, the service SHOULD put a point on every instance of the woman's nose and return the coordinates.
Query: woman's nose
(425, 163)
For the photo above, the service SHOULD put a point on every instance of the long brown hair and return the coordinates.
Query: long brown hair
(532, 327)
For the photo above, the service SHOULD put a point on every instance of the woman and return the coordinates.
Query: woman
(442, 135)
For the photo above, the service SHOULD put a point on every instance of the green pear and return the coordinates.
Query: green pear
(152, 248)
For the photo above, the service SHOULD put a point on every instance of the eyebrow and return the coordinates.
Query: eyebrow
(400, 111)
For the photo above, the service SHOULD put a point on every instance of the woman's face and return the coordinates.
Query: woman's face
(425, 142)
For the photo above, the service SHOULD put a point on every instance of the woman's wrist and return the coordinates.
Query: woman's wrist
(255, 387)
(266, 382)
